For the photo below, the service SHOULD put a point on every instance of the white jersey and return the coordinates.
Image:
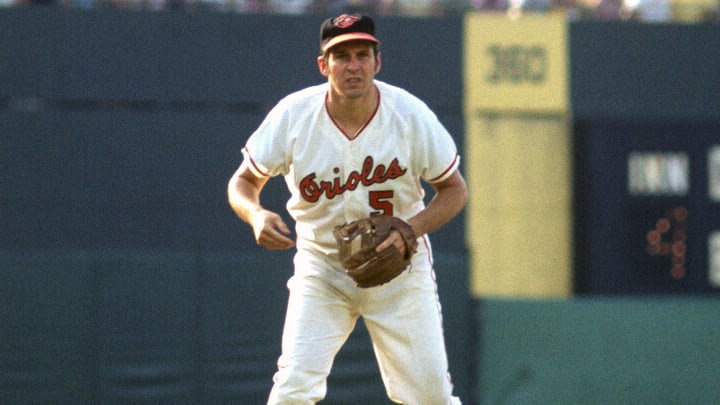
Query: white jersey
(334, 179)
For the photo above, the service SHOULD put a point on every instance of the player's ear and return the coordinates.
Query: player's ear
(322, 65)
(378, 62)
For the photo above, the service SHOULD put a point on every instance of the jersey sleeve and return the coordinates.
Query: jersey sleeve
(436, 147)
(266, 151)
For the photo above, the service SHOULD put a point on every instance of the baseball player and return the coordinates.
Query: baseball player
(347, 148)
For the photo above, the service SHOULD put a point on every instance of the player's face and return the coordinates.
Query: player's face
(350, 68)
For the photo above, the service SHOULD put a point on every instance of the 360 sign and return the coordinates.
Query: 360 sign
(517, 64)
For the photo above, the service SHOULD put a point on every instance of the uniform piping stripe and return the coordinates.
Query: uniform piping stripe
(438, 305)
(377, 107)
(450, 168)
(254, 165)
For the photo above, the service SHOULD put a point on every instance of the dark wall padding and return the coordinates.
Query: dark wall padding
(126, 278)
(637, 71)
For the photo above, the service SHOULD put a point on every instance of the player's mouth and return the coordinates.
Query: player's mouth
(355, 82)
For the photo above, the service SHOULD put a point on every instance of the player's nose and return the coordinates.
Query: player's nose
(355, 64)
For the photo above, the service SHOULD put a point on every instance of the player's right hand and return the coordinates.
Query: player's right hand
(270, 231)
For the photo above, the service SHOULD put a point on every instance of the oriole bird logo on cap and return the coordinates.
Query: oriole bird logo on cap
(346, 20)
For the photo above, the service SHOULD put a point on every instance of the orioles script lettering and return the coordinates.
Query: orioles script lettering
(311, 190)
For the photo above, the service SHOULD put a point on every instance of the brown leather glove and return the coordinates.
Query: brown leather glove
(357, 241)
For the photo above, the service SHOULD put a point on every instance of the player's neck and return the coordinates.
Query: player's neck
(352, 114)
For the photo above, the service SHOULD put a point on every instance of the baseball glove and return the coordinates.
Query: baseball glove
(357, 241)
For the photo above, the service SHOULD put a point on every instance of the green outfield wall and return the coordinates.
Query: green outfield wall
(599, 351)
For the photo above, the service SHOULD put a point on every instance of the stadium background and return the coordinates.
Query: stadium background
(126, 278)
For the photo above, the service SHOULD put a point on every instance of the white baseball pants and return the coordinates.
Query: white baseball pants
(403, 319)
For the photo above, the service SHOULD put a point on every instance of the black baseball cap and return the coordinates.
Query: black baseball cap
(346, 27)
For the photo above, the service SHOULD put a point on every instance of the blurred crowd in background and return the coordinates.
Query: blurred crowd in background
(688, 11)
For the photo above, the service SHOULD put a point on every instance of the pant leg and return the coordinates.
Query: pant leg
(408, 339)
(318, 321)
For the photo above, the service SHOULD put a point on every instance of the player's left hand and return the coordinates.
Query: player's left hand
(393, 239)
(368, 252)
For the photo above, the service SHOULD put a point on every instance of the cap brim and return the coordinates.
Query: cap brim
(352, 36)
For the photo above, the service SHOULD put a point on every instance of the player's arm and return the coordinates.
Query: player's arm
(450, 198)
(244, 190)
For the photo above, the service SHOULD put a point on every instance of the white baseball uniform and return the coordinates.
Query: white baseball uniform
(333, 179)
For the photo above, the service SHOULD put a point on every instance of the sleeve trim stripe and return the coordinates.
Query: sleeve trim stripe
(455, 163)
(253, 165)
